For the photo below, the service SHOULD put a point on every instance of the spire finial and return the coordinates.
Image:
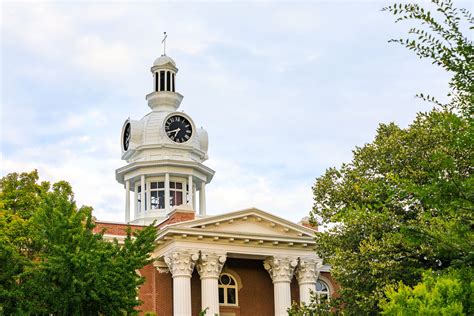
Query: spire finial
(164, 43)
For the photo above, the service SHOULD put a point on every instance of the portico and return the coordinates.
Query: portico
(282, 248)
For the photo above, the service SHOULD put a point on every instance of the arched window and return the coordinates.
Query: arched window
(322, 290)
(228, 290)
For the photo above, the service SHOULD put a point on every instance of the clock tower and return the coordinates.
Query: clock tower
(164, 152)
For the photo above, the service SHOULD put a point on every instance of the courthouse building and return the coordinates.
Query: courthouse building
(246, 262)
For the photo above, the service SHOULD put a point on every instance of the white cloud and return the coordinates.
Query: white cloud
(285, 91)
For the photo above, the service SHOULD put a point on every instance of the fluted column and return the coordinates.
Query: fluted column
(181, 265)
(209, 268)
(281, 271)
(307, 274)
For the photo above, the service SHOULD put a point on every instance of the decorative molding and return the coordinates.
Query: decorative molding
(281, 269)
(181, 263)
(161, 266)
(308, 270)
(210, 265)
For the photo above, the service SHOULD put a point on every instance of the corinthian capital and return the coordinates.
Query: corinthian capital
(181, 263)
(281, 269)
(308, 270)
(210, 265)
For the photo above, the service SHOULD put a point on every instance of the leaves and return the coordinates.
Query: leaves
(443, 42)
(403, 205)
(53, 262)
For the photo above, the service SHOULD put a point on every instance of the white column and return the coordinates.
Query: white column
(127, 201)
(181, 265)
(209, 268)
(158, 75)
(148, 198)
(142, 195)
(307, 274)
(136, 202)
(167, 192)
(194, 198)
(190, 190)
(281, 271)
(202, 199)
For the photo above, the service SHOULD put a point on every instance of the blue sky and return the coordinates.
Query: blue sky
(285, 90)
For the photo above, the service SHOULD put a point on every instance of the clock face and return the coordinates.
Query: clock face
(126, 137)
(178, 128)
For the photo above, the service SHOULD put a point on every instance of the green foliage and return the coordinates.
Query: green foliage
(404, 204)
(440, 38)
(446, 294)
(314, 308)
(53, 263)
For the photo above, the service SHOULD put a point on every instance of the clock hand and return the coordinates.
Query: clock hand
(173, 131)
(177, 131)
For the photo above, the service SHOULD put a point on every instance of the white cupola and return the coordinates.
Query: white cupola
(164, 152)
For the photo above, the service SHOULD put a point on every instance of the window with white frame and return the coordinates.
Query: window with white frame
(228, 290)
(157, 195)
(176, 193)
(322, 290)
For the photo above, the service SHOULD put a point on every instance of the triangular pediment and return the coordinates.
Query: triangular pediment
(248, 222)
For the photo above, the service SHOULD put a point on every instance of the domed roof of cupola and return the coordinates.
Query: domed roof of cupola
(151, 139)
(163, 60)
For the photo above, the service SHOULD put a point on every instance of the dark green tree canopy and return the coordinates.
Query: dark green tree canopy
(404, 204)
(52, 262)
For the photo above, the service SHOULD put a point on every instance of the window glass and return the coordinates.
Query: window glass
(157, 194)
(322, 290)
(227, 290)
(221, 295)
(231, 299)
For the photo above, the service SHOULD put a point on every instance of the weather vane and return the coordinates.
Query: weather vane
(164, 43)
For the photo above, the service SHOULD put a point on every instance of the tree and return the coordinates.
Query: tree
(53, 263)
(446, 294)
(445, 44)
(404, 204)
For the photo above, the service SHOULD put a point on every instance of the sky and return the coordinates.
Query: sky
(285, 89)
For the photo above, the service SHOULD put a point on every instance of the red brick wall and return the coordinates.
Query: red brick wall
(114, 229)
(177, 217)
(256, 295)
(157, 292)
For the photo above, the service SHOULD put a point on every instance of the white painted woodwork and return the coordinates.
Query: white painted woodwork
(202, 199)
(281, 269)
(209, 269)
(167, 192)
(127, 201)
(142, 195)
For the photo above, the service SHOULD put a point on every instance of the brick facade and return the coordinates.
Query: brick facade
(255, 296)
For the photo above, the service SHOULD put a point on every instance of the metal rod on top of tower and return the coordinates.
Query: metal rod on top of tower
(164, 43)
